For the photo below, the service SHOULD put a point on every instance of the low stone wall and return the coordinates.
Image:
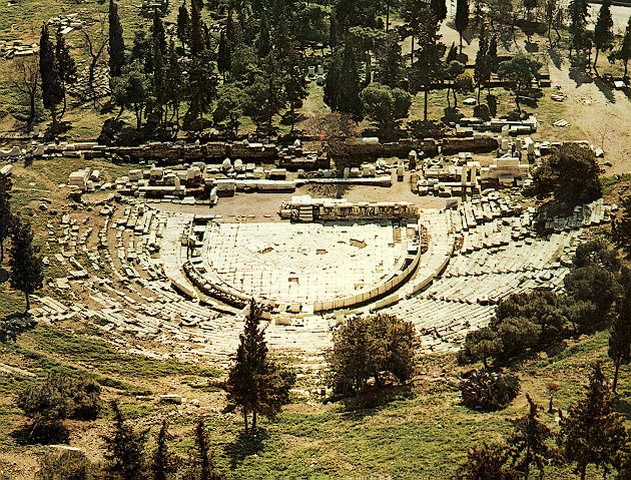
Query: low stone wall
(451, 146)
(374, 291)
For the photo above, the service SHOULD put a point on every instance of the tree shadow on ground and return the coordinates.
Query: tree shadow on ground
(623, 407)
(555, 57)
(605, 87)
(374, 400)
(41, 434)
(245, 445)
(329, 190)
(578, 71)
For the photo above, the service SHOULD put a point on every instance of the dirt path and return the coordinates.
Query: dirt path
(602, 114)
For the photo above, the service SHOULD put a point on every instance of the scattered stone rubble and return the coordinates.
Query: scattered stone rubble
(17, 48)
(66, 24)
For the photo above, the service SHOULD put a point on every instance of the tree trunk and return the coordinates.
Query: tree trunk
(596, 59)
(1, 251)
(583, 470)
(245, 419)
(388, 16)
(615, 376)
(448, 98)
(28, 301)
(425, 103)
(254, 420)
(412, 52)
(626, 68)
(31, 115)
(460, 43)
(455, 98)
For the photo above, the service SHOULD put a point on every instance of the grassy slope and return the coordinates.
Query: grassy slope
(423, 434)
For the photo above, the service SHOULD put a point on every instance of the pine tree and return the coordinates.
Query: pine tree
(592, 432)
(603, 30)
(6, 217)
(124, 450)
(529, 441)
(255, 383)
(26, 264)
(52, 85)
(439, 8)
(116, 47)
(462, 18)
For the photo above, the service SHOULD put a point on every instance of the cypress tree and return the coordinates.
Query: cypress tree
(342, 88)
(439, 8)
(6, 217)
(621, 228)
(164, 465)
(52, 86)
(578, 13)
(66, 66)
(173, 82)
(482, 72)
(183, 24)
(462, 18)
(116, 45)
(224, 55)
(620, 335)
(26, 263)
(157, 33)
(390, 61)
(124, 450)
(203, 466)
(159, 82)
(592, 432)
(603, 30)
(624, 53)
(255, 383)
(529, 441)
(263, 41)
(197, 35)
